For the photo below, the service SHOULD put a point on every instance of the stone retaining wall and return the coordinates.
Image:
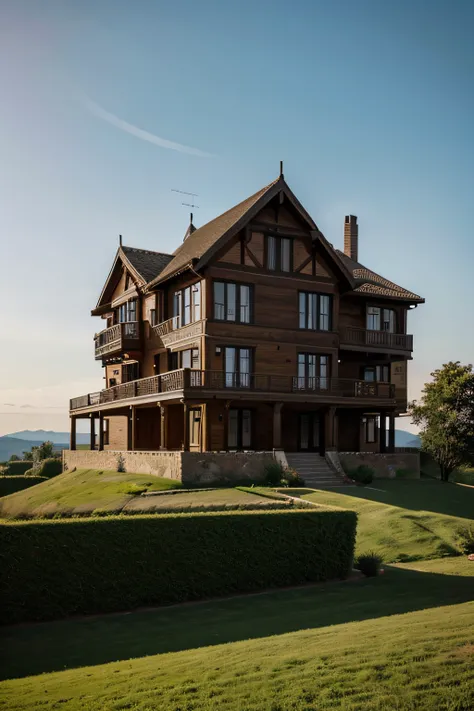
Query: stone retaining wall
(188, 467)
(384, 465)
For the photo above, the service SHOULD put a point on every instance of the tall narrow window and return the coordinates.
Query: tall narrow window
(370, 429)
(377, 373)
(187, 306)
(237, 367)
(389, 320)
(232, 302)
(315, 311)
(279, 253)
(285, 252)
(271, 253)
(197, 301)
(379, 319)
(177, 309)
(240, 429)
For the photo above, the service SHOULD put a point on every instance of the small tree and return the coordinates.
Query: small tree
(28, 456)
(445, 415)
(14, 458)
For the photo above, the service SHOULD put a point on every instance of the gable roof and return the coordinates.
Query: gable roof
(197, 243)
(146, 263)
(372, 284)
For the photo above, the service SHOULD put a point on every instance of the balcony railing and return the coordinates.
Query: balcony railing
(172, 330)
(211, 380)
(350, 335)
(121, 335)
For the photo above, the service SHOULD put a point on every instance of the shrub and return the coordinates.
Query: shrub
(46, 468)
(369, 564)
(466, 539)
(16, 468)
(11, 484)
(363, 474)
(274, 472)
(402, 473)
(121, 463)
(291, 479)
(94, 565)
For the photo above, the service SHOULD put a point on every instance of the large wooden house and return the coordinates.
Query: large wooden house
(255, 334)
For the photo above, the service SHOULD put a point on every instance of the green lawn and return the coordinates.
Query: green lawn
(373, 644)
(405, 520)
(87, 490)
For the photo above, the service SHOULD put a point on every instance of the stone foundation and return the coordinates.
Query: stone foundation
(384, 465)
(188, 467)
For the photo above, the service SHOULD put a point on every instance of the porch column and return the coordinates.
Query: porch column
(330, 433)
(163, 427)
(132, 429)
(72, 439)
(92, 422)
(226, 424)
(185, 427)
(383, 433)
(277, 425)
(101, 431)
(391, 432)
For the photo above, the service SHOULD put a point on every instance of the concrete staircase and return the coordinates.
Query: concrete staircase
(314, 469)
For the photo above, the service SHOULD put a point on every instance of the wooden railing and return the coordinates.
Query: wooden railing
(211, 380)
(172, 330)
(111, 339)
(350, 335)
(165, 327)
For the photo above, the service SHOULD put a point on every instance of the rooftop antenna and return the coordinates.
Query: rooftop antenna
(183, 192)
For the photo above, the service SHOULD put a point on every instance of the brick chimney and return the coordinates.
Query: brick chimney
(351, 237)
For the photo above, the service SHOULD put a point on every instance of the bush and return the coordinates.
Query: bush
(121, 463)
(94, 565)
(466, 540)
(363, 474)
(369, 564)
(46, 468)
(291, 479)
(17, 468)
(11, 484)
(274, 472)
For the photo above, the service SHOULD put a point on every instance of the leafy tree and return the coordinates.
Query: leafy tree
(28, 456)
(445, 415)
(14, 458)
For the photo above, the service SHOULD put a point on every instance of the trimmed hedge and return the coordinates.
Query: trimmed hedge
(104, 565)
(17, 468)
(11, 484)
(46, 468)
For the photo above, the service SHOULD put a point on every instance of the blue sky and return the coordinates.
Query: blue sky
(370, 104)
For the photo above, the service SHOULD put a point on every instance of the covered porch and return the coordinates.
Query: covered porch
(238, 424)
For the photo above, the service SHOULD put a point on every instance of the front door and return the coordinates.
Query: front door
(195, 429)
(310, 432)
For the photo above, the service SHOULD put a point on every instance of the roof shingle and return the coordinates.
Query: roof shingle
(369, 282)
(147, 263)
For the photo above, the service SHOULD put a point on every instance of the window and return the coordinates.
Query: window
(240, 429)
(279, 254)
(185, 359)
(153, 318)
(313, 371)
(370, 424)
(377, 374)
(130, 371)
(315, 311)
(187, 305)
(379, 319)
(106, 431)
(195, 427)
(128, 311)
(232, 302)
(237, 368)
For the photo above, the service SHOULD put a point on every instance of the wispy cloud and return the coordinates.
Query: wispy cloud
(101, 113)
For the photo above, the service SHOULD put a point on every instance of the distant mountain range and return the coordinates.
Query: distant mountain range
(19, 442)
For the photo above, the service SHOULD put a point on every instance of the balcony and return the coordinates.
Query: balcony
(171, 331)
(364, 339)
(192, 383)
(117, 338)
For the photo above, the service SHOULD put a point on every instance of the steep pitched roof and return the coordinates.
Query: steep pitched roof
(371, 283)
(146, 263)
(202, 239)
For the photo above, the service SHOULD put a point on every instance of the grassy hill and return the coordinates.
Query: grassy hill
(376, 645)
(405, 520)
